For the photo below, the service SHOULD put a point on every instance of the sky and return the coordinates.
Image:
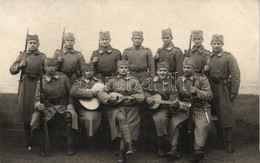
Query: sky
(237, 20)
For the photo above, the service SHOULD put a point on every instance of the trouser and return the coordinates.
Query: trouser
(124, 127)
(28, 135)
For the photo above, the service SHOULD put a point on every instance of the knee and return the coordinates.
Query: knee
(67, 117)
(120, 118)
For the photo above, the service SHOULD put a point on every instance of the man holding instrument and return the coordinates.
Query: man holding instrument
(85, 95)
(30, 63)
(122, 94)
(70, 60)
(58, 109)
(195, 89)
(163, 87)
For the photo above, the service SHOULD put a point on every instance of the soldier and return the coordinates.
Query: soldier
(83, 89)
(188, 85)
(224, 77)
(198, 54)
(170, 53)
(141, 63)
(105, 57)
(122, 94)
(57, 105)
(30, 63)
(163, 86)
(70, 60)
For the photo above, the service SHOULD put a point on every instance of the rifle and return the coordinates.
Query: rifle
(62, 40)
(190, 121)
(189, 51)
(44, 124)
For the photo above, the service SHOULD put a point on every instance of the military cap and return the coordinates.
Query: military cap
(217, 38)
(163, 65)
(197, 33)
(50, 61)
(68, 35)
(167, 32)
(87, 66)
(32, 37)
(104, 35)
(137, 33)
(188, 61)
(122, 62)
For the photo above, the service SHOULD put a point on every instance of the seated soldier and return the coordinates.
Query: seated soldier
(161, 85)
(193, 89)
(84, 92)
(56, 105)
(122, 94)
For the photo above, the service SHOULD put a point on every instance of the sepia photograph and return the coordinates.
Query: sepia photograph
(103, 81)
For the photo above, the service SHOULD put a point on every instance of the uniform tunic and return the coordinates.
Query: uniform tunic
(27, 85)
(161, 115)
(224, 76)
(141, 62)
(173, 55)
(199, 56)
(126, 86)
(71, 64)
(107, 60)
(203, 94)
(89, 119)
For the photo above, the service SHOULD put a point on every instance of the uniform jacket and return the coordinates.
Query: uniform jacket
(29, 76)
(173, 55)
(141, 61)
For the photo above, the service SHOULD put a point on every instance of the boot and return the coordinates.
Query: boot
(220, 139)
(121, 157)
(45, 152)
(173, 153)
(70, 141)
(160, 152)
(229, 136)
(70, 150)
(198, 155)
(130, 149)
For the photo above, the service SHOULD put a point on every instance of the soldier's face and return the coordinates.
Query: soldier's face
(216, 45)
(69, 43)
(33, 45)
(123, 70)
(197, 41)
(104, 42)
(50, 69)
(137, 40)
(89, 74)
(167, 39)
(162, 73)
(187, 70)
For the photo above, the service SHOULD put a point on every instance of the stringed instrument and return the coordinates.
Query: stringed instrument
(119, 97)
(93, 103)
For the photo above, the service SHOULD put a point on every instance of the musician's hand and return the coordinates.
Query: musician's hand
(60, 59)
(95, 60)
(22, 64)
(94, 93)
(112, 100)
(40, 107)
(193, 90)
(150, 100)
(206, 68)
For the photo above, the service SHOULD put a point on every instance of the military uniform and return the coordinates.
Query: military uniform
(89, 119)
(106, 65)
(27, 84)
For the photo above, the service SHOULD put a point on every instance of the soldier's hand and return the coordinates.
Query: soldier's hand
(40, 107)
(193, 90)
(94, 93)
(206, 68)
(60, 59)
(112, 100)
(150, 101)
(95, 60)
(22, 64)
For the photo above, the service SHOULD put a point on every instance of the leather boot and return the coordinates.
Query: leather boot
(160, 152)
(229, 136)
(173, 153)
(130, 149)
(121, 157)
(45, 152)
(70, 141)
(198, 155)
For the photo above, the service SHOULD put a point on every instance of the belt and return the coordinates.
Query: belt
(56, 101)
(138, 69)
(216, 79)
(32, 74)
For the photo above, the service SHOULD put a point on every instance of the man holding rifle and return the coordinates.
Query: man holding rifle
(30, 63)
(195, 89)
(57, 104)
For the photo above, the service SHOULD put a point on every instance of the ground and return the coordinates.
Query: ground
(245, 141)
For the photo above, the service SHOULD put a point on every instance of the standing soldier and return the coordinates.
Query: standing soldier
(69, 59)
(163, 86)
(123, 94)
(83, 89)
(195, 89)
(224, 77)
(57, 104)
(30, 63)
(105, 57)
(170, 53)
(141, 63)
(198, 54)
